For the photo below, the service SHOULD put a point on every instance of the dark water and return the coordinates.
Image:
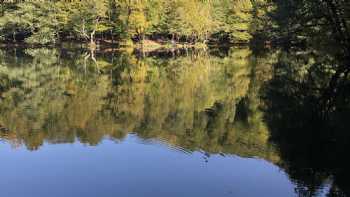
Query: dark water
(76, 123)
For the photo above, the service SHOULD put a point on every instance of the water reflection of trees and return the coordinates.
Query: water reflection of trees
(195, 102)
(307, 110)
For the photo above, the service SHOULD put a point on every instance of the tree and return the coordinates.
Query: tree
(137, 21)
(46, 21)
(88, 17)
(36, 19)
(234, 18)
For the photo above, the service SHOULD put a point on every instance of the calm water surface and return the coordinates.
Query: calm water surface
(134, 167)
(73, 123)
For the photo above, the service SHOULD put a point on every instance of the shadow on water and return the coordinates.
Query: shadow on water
(308, 119)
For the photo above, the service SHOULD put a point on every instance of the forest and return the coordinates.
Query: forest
(191, 21)
(50, 21)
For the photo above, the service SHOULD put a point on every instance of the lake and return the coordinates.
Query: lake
(106, 123)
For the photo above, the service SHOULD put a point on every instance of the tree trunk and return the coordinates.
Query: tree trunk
(142, 39)
(92, 35)
(92, 38)
(14, 36)
(112, 37)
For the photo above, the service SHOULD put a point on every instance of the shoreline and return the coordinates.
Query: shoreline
(146, 46)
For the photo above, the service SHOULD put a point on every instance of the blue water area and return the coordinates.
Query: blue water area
(134, 167)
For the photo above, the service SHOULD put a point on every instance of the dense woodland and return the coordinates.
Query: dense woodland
(219, 21)
(50, 21)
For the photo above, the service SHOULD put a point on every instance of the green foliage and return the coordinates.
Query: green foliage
(45, 21)
(234, 18)
(37, 19)
(188, 20)
(88, 17)
(313, 22)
